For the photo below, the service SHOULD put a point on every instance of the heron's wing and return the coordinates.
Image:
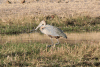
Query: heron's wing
(54, 31)
(60, 33)
(49, 30)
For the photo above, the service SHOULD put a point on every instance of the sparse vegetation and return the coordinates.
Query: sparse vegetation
(77, 18)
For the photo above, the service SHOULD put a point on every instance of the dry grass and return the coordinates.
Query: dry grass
(80, 49)
(29, 49)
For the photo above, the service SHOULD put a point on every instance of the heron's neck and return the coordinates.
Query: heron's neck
(44, 24)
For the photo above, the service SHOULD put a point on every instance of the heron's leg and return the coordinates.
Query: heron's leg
(58, 42)
(52, 43)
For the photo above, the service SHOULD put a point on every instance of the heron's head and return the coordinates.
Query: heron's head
(42, 23)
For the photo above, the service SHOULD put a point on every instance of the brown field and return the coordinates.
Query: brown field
(35, 8)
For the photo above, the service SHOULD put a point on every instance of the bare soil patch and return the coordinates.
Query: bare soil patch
(73, 38)
(67, 8)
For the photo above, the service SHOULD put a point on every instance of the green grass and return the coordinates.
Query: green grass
(37, 54)
(79, 24)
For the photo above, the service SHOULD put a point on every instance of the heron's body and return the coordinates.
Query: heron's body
(51, 31)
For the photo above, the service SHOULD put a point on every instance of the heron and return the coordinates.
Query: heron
(51, 31)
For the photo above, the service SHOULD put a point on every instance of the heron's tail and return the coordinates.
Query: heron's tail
(65, 36)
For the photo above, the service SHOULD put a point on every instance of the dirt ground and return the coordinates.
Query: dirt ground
(62, 8)
(73, 38)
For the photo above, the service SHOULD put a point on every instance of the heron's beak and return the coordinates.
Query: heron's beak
(38, 26)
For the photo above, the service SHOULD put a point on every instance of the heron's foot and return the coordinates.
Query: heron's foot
(49, 45)
(53, 44)
(57, 43)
